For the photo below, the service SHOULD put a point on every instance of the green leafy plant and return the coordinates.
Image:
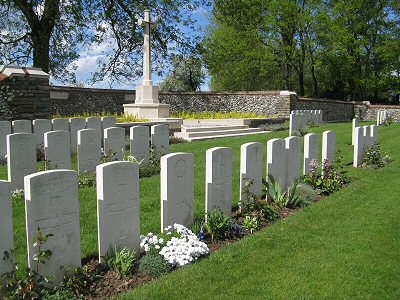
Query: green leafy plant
(198, 226)
(86, 179)
(293, 199)
(154, 264)
(108, 156)
(120, 260)
(217, 224)
(77, 281)
(252, 222)
(375, 158)
(332, 177)
(31, 284)
(274, 192)
(254, 203)
(18, 195)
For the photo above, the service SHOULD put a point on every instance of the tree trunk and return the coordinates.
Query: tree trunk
(41, 49)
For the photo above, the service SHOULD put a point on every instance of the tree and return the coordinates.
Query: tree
(337, 48)
(50, 33)
(187, 75)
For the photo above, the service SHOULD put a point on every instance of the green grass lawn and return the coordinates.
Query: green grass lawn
(343, 247)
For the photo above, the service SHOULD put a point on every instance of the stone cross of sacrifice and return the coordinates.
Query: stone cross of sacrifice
(147, 26)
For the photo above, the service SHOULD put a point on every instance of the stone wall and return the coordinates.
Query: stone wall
(369, 112)
(262, 103)
(72, 100)
(23, 96)
(333, 110)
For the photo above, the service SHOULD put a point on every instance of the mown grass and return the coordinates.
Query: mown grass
(344, 247)
(306, 255)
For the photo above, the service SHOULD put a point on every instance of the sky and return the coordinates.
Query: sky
(89, 57)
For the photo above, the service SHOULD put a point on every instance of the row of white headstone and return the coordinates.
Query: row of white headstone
(299, 119)
(40, 126)
(52, 204)
(364, 137)
(381, 117)
(21, 149)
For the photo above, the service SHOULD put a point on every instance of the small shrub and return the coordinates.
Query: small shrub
(18, 195)
(198, 227)
(236, 230)
(217, 224)
(30, 285)
(274, 192)
(77, 281)
(307, 194)
(86, 179)
(292, 198)
(154, 264)
(333, 179)
(375, 158)
(40, 154)
(176, 140)
(108, 156)
(120, 260)
(252, 222)
(3, 160)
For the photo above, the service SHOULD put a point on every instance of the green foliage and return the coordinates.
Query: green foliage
(307, 194)
(86, 179)
(50, 34)
(198, 225)
(30, 285)
(18, 195)
(154, 264)
(375, 158)
(217, 224)
(120, 118)
(120, 260)
(341, 49)
(187, 75)
(252, 222)
(274, 192)
(332, 178)
(108, 156)
(215, 115)
(256, 204)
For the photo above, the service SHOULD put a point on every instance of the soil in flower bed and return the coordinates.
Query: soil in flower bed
(107, 283)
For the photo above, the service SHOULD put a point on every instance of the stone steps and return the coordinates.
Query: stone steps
(203, 133)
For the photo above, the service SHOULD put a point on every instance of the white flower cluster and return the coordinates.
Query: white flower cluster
(177, 251)
(184, 250)
(149, 241)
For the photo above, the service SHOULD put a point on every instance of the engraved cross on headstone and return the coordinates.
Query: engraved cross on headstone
(147, 26)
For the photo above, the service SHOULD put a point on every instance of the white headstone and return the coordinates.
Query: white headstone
(367, 136)
(354, 125)
(378, 118)
(277, 161)
(40, 126)
(60, 124)
(328, 145)
(374, 134)
(293, 150)
(114, 142)
(6, 225)
(76, 124)
(219, 180)
(5, 129)
(22, 126)
(177, 189)
(140, 143)
(93, 123)
(51, 203)
(108, 122)
(160, 139)
(358, 146)
(21, 158)
(118, 206)
(293, 126)
(89, 150)
(57, 149)
(311, 145)
(251, 168)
